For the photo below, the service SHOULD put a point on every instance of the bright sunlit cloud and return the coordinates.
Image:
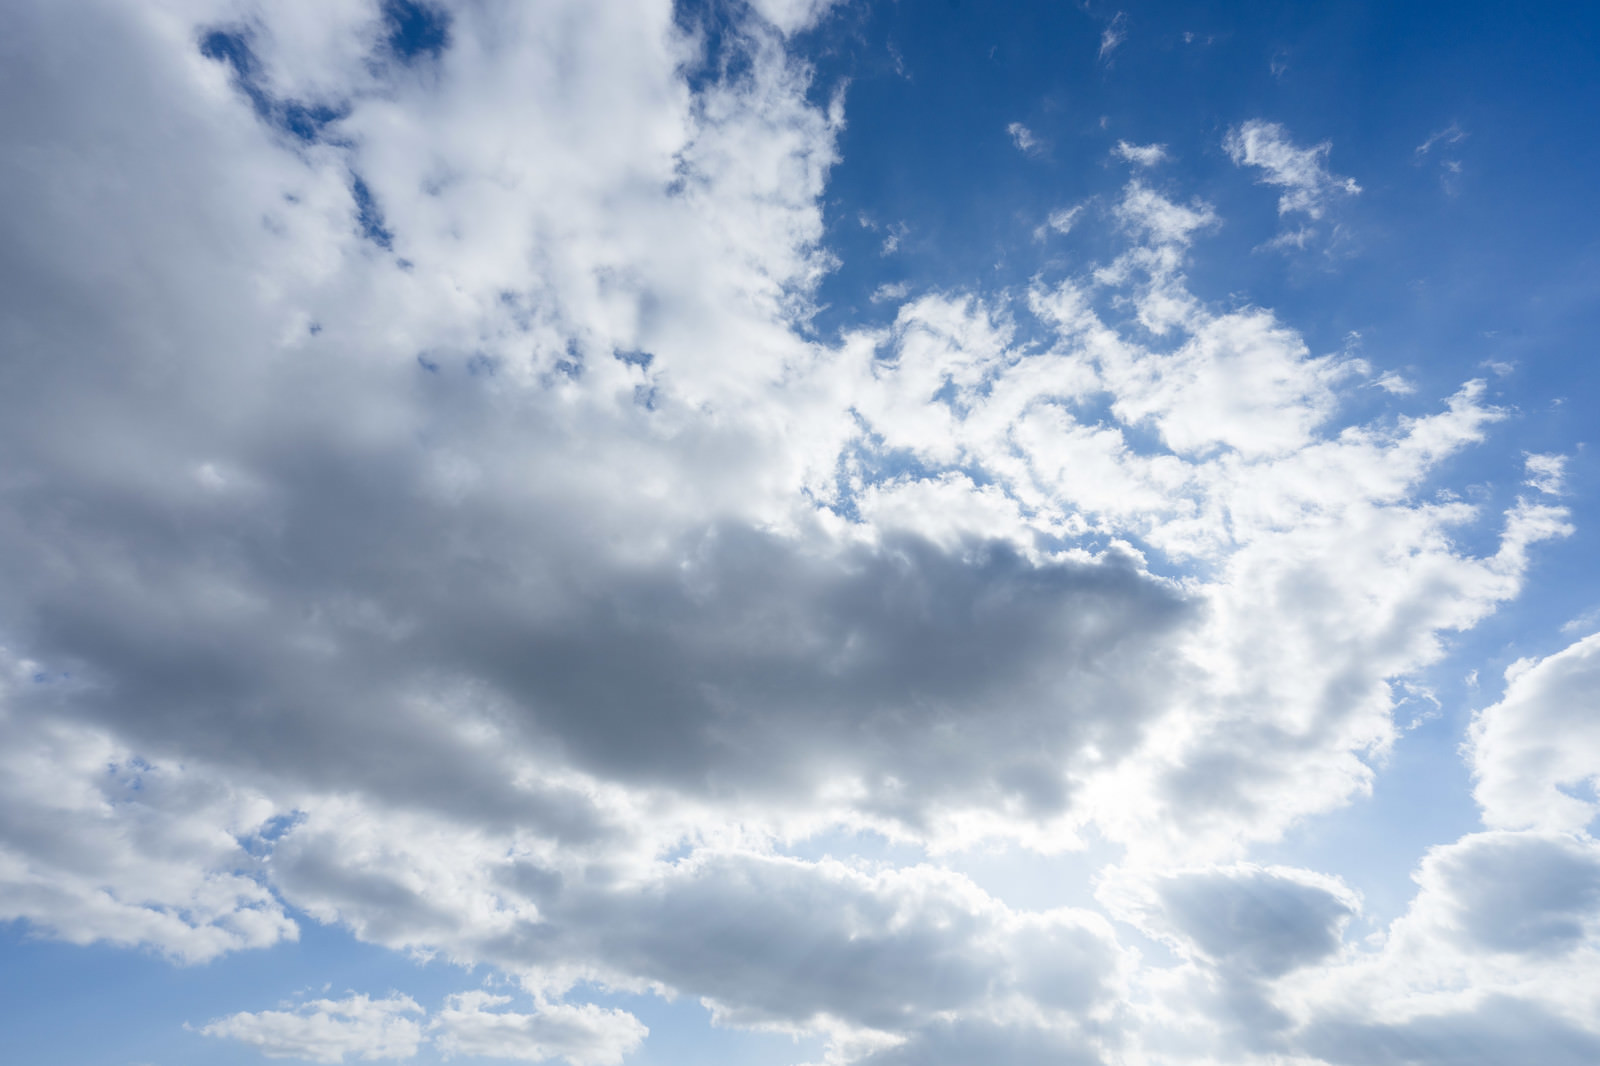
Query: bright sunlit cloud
(644, 532)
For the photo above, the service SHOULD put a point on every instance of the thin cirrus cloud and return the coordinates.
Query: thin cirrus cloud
(449, 528)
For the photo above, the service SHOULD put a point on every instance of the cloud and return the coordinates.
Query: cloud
(1501, 1029)
(1059, 221)
(327, 1030)
(1451, 134)
(1144, 155)
(793, 16)
(1253, 920)
(1536, 753)
(1023, 137)
(1523, 893)
(1546, 473)
(448, 525)
(1113, 35)
(582, 1035)
(100, 844)
(1302, 173)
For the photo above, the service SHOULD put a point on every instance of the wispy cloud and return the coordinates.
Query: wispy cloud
(1023, 137)
(1113, 35)
(1308, 186)
(1144, 155)
(1060, 221)
(1451, 134)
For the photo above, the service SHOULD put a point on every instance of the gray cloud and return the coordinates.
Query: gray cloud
(436, 518)
(1499, 1030)
(1528, 893)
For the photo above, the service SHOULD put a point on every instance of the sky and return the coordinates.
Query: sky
(799, 533)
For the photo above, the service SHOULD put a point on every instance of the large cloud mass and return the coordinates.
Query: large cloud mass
(428, 509)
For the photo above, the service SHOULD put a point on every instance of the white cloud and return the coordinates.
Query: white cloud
(326, 1030)
(523, 601)
(793, 16)
(1022, 137)
(579, 1034)
(1144, 155)
(1546, 473)
(99, 844)
(1260, 922)
(1302, 173)
(1113, 35)
(891, 241)
(1451, 134)
(1059, 221)
(1537, 750)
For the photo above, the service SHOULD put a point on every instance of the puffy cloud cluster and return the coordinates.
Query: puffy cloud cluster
(426, 508)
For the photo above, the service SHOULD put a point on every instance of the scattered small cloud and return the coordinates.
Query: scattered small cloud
(1440, 143)
(1295, 238)
(899, 60)
(1144, 155)
(1113, 36)
(1308, 186)
(1451, 134)
(1060, 221)
(1394, 384)
(888, 291)
(891, 241)
(1587, 622)
(326, 1030)
(1546, 473)
(1023, 137)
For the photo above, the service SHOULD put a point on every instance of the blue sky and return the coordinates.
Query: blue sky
(799, 532)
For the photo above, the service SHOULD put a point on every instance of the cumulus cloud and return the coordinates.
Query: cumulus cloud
(98, 843)
(446, 525)
(1536, 752)
(326, 1030)
(1308, 186)
(580, 1034)
(1258, 921)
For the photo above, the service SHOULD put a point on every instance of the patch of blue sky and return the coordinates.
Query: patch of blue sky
(149, 1010)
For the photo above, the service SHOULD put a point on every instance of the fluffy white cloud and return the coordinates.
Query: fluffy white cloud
(326, 1030)
(580, 1034)
(437, 516)
(1536, 753)
(1302, 173)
